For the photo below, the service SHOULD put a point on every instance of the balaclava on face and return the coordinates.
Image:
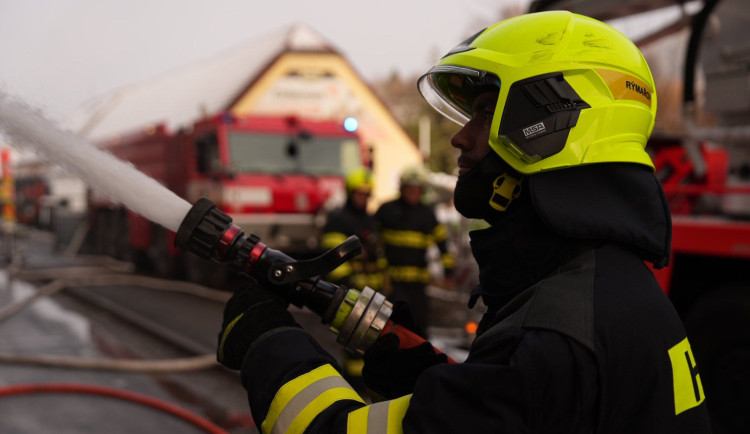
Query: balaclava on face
(489, 191)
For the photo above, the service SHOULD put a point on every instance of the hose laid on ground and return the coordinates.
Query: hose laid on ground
(125, 395)
(184, 364)
(103, 276)
(172, 365)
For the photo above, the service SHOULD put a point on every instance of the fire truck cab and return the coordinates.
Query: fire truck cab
(276, 176)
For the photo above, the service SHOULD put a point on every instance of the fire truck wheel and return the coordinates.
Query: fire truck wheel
(717, 325)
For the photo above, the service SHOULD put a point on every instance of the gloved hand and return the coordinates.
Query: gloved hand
(251, 311)
(401, 315)
(392, 372)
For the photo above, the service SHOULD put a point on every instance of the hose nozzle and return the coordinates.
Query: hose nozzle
(357, 317)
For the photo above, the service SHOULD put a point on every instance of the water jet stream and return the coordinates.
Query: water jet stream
(27, 128)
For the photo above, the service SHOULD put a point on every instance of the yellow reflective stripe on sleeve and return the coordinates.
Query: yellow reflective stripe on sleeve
(381, 418)
(409, 273)
(295, 423)
(357, 421)
(440, 233)
(413, 239)
(688, 390)
(332, 239)
(300, 400)
(224, 335)
(396, 413)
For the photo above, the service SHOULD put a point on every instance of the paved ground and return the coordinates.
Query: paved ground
(74, 322)
(61, 325)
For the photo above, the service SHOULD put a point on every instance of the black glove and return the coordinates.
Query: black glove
(402, 315)
(250, 312)
(391, 372)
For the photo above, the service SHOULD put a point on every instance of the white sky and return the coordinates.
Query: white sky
(55, 54)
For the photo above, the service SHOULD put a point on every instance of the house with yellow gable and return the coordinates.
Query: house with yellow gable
(292, 72)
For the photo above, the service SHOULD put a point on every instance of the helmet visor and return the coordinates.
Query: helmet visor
(451, 90)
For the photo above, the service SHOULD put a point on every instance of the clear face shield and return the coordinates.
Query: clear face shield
(451, 90)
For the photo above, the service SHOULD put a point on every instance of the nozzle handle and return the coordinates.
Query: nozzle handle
(289, 271)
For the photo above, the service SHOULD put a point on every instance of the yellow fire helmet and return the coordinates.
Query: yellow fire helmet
(414, 175)
(360, 178)
(572, 91)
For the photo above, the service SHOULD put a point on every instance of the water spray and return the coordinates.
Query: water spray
(27, 128)
(357, 317)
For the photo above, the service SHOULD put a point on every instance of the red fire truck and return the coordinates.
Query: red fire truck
(275, 175)
(705, 171)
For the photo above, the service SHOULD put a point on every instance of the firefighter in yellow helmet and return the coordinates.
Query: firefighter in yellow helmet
(408, 228)
(556, 109)
(354, 219)
(368, 268)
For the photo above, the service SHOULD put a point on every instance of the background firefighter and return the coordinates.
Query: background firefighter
(578, 336)
(368, 268)
(353, 219)
(408, 228)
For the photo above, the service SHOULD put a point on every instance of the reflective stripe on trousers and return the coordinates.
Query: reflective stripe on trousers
(408, 273)
(412, 239)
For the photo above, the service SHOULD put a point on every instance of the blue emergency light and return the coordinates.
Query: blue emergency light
(351, 124)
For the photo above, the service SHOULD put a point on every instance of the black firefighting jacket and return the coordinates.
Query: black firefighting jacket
(368, 267)
(578, 338)
(407, 231)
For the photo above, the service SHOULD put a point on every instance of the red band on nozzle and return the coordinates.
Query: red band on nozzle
(227, 238)
(252, 258)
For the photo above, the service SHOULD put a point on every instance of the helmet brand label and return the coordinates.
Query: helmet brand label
(534, 130)
(640, 89)
(626, 86)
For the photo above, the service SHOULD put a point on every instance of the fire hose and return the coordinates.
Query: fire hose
(358, 317)
(184, 364)
(88, 389)
(203, 361)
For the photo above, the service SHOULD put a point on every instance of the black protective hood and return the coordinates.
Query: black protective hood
(616, 202)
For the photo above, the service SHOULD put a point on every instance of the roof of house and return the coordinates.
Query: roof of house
(180, 96)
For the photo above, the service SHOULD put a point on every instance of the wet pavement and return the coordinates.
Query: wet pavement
(47, 328)
(87, 322)
(61, 325)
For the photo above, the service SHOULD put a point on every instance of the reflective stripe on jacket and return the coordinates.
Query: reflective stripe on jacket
(366, 268)
(555, 359)
(406, 233)
(294, 386)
